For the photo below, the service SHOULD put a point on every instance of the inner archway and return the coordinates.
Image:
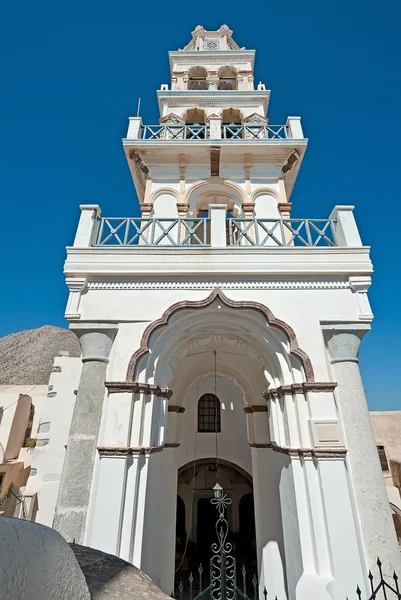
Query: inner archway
(194, 492)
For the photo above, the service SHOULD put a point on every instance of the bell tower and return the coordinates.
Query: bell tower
(216, 297)
(214, 126)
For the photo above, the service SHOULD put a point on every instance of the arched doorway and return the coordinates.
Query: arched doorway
(194, 493)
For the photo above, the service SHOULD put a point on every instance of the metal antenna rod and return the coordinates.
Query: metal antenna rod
(139, 106)
(216, 410)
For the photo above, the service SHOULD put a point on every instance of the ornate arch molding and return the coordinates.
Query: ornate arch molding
(295, 350)
(225, 186)
(265, 191)
(164, 190)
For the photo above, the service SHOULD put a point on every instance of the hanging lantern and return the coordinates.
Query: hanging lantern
(218, 491)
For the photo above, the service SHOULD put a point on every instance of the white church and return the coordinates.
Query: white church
(219, 342)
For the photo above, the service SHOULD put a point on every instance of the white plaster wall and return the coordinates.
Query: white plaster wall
(8, 404)
(387, 431)
(266, 206)
(267, 467)
(15, 416)
(52, 437)
(232, 442)
(165, 206)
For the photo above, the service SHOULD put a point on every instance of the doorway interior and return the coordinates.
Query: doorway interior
(196, 517)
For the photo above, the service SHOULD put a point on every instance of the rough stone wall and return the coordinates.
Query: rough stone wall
(27, 357)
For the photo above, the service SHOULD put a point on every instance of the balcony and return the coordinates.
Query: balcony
(215, 130)
(198, 253)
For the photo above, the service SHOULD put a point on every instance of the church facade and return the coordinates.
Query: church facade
(220, 343)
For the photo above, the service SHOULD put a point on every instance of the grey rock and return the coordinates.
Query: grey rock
(36, 563)
(111, 578)
(27, 357)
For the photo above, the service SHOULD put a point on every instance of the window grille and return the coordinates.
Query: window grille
(212, 44)
(383, 458)
(209, 414)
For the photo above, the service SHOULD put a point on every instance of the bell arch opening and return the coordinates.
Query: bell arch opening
(195, 116)
(197, 78)
(227, 78)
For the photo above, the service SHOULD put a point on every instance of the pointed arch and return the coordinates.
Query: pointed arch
(217, 293)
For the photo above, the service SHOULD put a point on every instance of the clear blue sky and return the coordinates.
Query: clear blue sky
(69, 84)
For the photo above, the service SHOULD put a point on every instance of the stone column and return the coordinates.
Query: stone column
(76, 479)
(378, 534)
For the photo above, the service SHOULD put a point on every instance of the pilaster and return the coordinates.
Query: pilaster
(76, 480)
(378, 535)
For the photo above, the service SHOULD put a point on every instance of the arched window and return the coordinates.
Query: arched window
(209, 414)
(197, 78)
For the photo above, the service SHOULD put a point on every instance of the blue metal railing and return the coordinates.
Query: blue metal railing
(197, 232)
(282, 232)
(175, 132)
(153, 232)
(254, 132)
(202, 132)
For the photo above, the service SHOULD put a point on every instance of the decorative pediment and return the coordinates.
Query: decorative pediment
(212, 116)
(172, 119)
(255, 119)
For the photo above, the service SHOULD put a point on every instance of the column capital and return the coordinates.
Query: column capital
(95, 340)
(343, 340)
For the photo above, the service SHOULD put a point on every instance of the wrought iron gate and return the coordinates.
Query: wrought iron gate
(223, 583)
(223, 568)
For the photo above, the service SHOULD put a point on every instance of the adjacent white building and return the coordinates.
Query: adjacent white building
(219, 342)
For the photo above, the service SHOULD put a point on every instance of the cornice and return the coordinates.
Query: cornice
(116, 451)
(300, 388)
(136, 387)
(227, 285)
(177, 409)
(227, 264)
(326, 453)
(207, 56)
(229, 250)
(255, 408)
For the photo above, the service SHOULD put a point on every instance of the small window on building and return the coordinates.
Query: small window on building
(1, 414)
(212, 44)
(383, 458)
(209, 414)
